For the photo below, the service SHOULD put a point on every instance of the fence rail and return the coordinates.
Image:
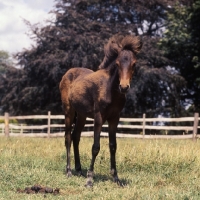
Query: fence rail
(10, 129)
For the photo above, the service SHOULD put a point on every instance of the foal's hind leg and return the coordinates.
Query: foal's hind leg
(80, 122)
(113, 147)
(69, 117)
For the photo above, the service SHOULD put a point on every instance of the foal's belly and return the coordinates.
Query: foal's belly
(83, 106)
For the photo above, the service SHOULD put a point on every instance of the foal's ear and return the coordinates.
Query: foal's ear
(138, 44)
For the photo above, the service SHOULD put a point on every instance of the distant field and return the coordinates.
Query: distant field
(149, 169)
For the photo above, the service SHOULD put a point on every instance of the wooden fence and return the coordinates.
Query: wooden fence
(21, 129)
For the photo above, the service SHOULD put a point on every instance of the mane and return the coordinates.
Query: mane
(118, 43)
(132, 43)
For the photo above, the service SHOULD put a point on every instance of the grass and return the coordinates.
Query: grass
(149, 169)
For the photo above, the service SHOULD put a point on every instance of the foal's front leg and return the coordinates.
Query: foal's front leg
(113, 147)
(95, 148)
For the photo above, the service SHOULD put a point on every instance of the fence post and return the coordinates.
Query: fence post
(143, 129)
(6, 118)
(195, 126)
(49, 123)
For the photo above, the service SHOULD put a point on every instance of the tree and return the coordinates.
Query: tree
(4, 60)
(181, 45)
(76, 38)
(9, 78)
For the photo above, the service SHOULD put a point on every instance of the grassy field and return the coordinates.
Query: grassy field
(149, 169)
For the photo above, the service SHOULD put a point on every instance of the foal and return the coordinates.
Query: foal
(99, 95)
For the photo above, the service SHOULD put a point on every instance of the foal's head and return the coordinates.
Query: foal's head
(126, 59)
(125, 63)
(122, 50)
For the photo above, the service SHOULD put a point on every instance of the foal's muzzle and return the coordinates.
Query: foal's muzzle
(124, 89)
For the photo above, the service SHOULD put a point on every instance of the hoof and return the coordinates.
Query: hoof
(119, 183)
(69, 173)
(89, 184)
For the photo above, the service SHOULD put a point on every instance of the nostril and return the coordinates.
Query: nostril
(124, 89)
(127, 88)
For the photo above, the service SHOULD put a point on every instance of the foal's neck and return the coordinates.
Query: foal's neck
(112, 71)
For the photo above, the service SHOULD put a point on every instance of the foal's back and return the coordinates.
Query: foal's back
(85, 90)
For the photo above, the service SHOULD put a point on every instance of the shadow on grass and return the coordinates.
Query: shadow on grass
(99, 177)
(108, 177)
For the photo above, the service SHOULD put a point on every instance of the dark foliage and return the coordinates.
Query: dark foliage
(181, 44)
(76, 38)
